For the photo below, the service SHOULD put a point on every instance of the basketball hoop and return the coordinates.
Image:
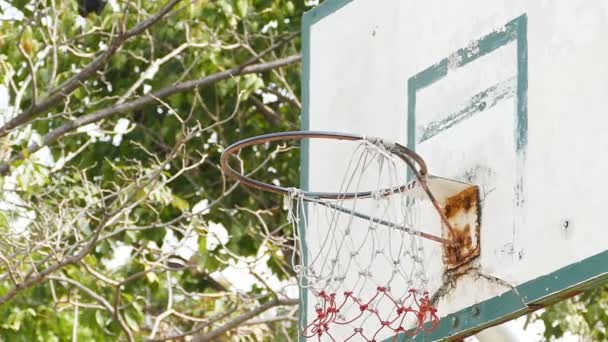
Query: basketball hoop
(363, 229)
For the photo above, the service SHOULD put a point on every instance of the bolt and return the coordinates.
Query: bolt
(566, 224)
(454, 322)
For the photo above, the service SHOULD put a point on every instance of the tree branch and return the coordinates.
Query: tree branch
(234, 323)
(284, 98)
(146, 24)
(123, 204)
(42, 275)
(59, 93)
(270, 115)
(100, 300)
(84, 120)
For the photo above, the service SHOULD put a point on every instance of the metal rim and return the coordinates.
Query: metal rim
(411, 158)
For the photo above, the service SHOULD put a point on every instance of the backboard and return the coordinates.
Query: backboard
(508, 95)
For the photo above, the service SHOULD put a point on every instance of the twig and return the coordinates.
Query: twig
(107, 219)
(270, 115)
(59, 93)
(84, 120)
(106, 305)
(270, 320)
(234, 323)
(284, 98)
(30, 66)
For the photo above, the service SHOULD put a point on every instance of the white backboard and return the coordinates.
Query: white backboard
(505, 94)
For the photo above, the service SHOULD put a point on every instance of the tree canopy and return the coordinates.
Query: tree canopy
(116, 221)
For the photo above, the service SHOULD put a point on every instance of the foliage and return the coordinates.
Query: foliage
(585, 315)
(116, 221)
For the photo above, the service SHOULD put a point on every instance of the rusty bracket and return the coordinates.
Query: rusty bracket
(460, 205)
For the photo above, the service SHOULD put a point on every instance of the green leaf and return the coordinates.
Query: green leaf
(99, 319)
(289, 7)
(241, 8)
(152, 277)
(26, 152)
(250, 84)
(131, 322)
(14, 320)
(226, 7)
(137, 308)
(3, 221)
(179, 203)
(119, 61)
(202, 244)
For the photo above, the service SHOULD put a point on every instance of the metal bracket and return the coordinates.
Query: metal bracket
(461, 207)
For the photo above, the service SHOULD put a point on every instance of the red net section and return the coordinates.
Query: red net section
(409, 315)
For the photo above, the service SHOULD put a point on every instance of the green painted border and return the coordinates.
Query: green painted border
(310, 18)
(507, 306)
(479, 102)
(513, 30)
(540, 292)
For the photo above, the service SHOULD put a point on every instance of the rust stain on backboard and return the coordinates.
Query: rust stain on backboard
(462, 211)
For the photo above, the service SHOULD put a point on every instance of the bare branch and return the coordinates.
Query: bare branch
(30, 65)
(294, 101)
(270, 320)
(234, 323)
(146, 24)
(99, 299)
(57, 133)
(59, 93)
(270, 115)
(42, 275)
(35, 277)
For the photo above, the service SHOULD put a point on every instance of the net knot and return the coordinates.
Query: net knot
(378, 142)
(374, 144)
(377, 195)
(294, 193)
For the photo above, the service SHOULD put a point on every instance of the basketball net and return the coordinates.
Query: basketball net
(362, 258)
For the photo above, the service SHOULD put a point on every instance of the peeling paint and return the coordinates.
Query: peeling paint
(478, 103)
